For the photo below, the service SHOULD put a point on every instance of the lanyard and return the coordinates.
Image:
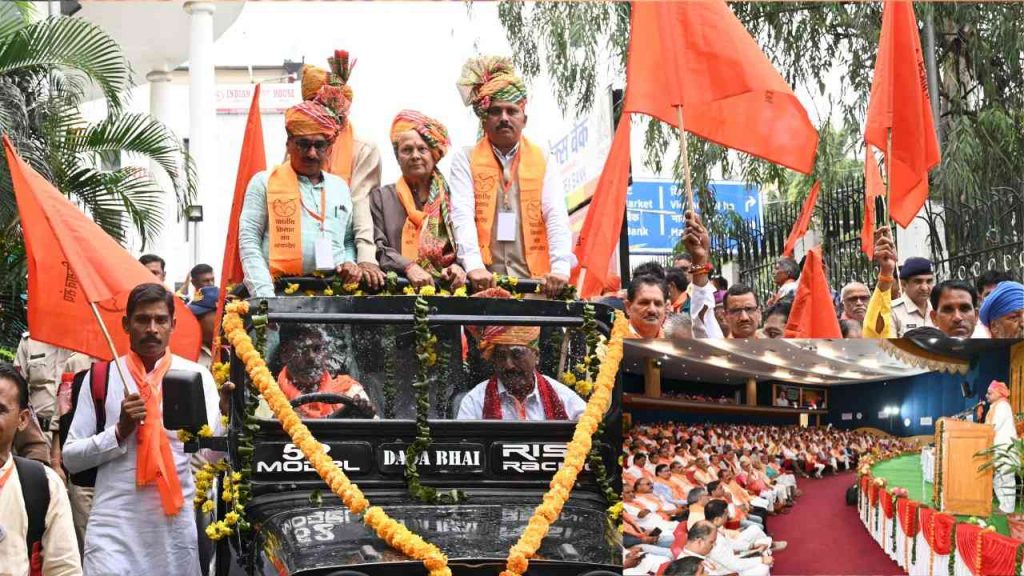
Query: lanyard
(323, 209)
(507, 185)
(3, 479)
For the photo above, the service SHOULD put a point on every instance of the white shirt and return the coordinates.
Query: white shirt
(463, 205)
(60, 548)
(723, 555)
(128, 532)
(702, 297)
(1002, 419)
(472, 406)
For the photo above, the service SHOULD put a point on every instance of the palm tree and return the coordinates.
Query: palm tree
(46, 66)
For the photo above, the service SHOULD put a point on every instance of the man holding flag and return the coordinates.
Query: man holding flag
(141, 467)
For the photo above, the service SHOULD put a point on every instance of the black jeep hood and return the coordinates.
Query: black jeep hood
(300, 539)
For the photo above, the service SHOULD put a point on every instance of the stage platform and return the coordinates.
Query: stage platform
(905, 472)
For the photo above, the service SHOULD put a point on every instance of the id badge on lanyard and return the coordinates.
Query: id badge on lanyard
(323, 252)
(507, 229)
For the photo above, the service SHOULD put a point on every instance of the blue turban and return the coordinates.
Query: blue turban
(1008, 297)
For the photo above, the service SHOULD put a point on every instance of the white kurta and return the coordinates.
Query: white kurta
(1006, 432)
(128, 532)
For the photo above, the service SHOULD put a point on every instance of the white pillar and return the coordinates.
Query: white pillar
(168, 244)
(202, 106)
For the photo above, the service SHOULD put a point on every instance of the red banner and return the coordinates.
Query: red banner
(887, 503)
(937, 529)
(985, 551)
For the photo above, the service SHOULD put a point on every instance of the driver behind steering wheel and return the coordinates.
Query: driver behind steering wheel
(303, 353)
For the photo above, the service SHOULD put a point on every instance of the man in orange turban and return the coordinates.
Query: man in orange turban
(355, 160)
(517, 391)
(508, 207)
(297, 219)
(1000, 416)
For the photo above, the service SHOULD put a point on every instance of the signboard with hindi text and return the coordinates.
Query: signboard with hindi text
(654, 211)
(578, 153)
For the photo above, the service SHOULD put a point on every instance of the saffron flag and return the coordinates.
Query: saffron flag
(699, 56)
(253, 159)
(803, 221)
(899, 103)
(603, 224)
(813, 314)
(72, 262)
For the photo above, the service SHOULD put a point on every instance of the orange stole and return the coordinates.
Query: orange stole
(487, 176)
(413, 221)
(339, 159)
(284, 221)
(338, 385)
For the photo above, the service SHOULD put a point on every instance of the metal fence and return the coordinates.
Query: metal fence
(966, 236)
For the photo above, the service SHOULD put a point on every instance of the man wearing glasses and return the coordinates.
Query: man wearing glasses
(517, 391)
(855, 297)
(297, 219)
(742, 311)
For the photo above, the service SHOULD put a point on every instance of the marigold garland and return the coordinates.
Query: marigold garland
(391, 531)
(575, 457)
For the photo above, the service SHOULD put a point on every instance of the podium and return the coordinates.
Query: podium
(964, 490)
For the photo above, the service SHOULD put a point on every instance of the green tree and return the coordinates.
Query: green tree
(979, 50)
(46, 68)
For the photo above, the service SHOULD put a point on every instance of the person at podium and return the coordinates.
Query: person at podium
(1000, 415)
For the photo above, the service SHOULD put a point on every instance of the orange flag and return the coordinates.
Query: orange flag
(603, 224)
(698, 55)
(252, 160)
(813, 314)
(899, 102)
(802, 223)
(72, 262)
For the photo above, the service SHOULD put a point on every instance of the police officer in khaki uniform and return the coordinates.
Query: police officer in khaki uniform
(42, 365)
(913, 309)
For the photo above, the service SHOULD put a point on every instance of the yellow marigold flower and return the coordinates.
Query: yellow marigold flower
(460, 292)
(328, 292)
(351, 287)
(444, 292)
(236, 476)
(584, 387)
(212, 533)
(206, 431)
(568, 378)
(428, 290)
(208, 506)
(224, 420)
(409, 291)
(291, 289)
(184, 436)
(512, 281)
(231, 518)
(227, 496)
(309, 293)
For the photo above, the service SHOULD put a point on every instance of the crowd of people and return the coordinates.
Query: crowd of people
(707, 491)
(706, 398)
(676, 303)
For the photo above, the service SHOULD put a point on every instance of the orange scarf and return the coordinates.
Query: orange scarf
(487, 175)
(339, 385)
(413, 221)
(155, 461)
(284, 220)
(339, 158)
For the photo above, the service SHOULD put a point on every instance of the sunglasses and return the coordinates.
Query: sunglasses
(304, 144)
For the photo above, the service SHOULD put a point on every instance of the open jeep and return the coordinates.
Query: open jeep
(489, 475)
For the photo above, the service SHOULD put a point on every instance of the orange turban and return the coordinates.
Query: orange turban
(309, 119)
(999, 388)
(433, 132)
(330, 88)
(490, 336)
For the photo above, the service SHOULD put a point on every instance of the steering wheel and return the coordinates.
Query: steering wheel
(349, 409)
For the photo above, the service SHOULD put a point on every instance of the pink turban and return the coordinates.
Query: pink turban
(999, 388)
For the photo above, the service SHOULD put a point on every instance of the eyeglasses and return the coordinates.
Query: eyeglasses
(857, 299)
(748, 310)
(304, 145)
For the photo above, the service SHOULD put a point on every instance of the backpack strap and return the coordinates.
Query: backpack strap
(100, 377)
(35, 489)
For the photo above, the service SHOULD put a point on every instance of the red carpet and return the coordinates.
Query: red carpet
(825, 535)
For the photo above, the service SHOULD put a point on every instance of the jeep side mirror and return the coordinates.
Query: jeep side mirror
(184, 401)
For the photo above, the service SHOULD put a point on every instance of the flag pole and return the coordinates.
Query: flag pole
(684, 155)
(110, 342)
(888, 179)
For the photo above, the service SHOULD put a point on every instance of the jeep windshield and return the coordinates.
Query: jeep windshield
(365, 348)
